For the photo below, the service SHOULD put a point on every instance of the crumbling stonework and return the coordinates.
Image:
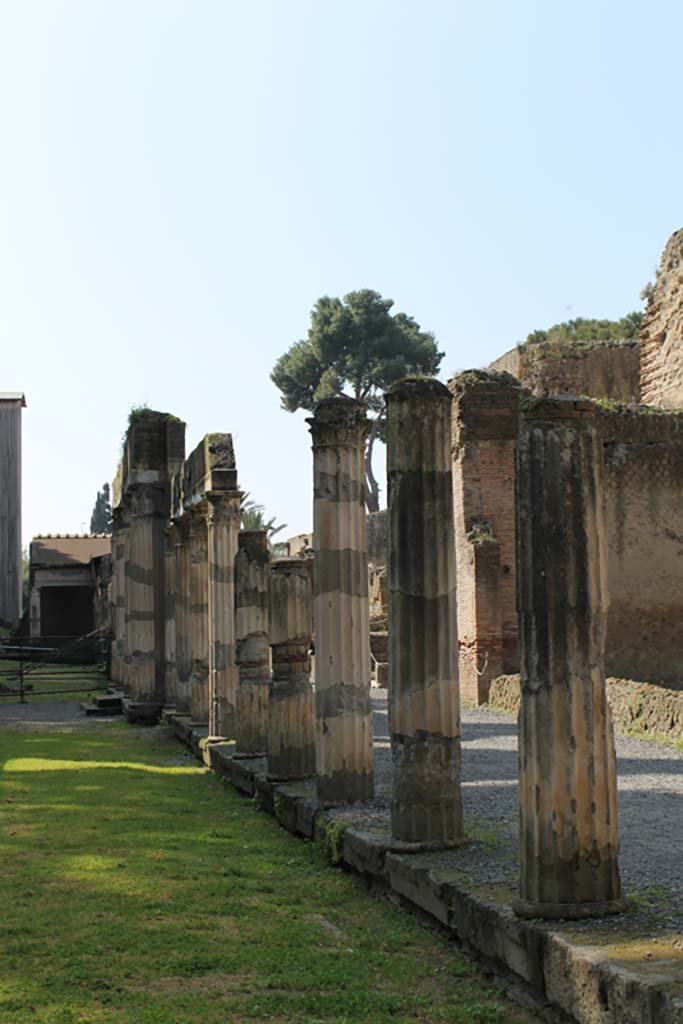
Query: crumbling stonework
(661, 339)
(601, 369)
(569, 837)
(485, 416)
(252, 572)
(153, 451)
(424, 713)
(291, 709)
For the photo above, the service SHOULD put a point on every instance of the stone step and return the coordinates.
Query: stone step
(91, 709)
(111, 701)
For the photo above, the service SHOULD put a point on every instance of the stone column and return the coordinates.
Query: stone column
(169, 577)
(291, 717)
(253, 653)
(344, 767)
(144, 586)
(223, 525)
(183, 654)
(424, 709)
(569, 835)
(198, 632)
(118, 596)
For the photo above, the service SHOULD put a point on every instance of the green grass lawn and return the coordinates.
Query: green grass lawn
(136, 888)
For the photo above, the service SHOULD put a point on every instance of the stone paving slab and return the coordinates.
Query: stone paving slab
(626, 969)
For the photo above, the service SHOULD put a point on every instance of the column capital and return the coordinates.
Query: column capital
(340, 422)
(224, 507)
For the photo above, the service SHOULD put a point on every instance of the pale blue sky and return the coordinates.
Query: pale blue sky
(180, 182)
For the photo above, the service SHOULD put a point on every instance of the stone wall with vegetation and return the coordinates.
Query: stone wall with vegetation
(637, 708)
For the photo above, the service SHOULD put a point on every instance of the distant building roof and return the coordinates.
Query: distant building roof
(13, 396)
(68, 548)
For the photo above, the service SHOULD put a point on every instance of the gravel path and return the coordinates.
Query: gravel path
(650, 800)
(650, 779)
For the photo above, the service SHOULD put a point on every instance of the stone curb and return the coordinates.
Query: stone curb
(579, 983)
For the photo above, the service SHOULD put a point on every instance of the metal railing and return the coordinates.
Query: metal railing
(60, 662)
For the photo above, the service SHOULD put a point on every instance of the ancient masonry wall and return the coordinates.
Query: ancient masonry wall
(644, 491)
(661, 339)
(484, 426)
(598, 370)
(643, 454)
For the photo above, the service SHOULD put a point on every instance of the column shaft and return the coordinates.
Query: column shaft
(253, 653)
(144, 585)
(291, 716)
(568, 802)
(344, 766)
(169, 578)
(424, 712)
(183, 654)
(199, 615)
(223, 525)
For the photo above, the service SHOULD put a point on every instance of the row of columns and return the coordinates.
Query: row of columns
(230, 605)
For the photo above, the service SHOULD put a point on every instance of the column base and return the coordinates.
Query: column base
(568, 911)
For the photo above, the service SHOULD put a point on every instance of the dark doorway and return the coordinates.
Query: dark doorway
(66, 611)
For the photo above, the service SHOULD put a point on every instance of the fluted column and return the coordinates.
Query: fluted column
(569, 835)
(424, 708)
(181, 604)
(169, 577)
(144, 585)
(291, 716)
(199, 615)
(223, 525)
(118, 544)
(344, 768)
(253, 653)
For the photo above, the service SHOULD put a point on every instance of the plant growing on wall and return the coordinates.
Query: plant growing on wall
(355, 346)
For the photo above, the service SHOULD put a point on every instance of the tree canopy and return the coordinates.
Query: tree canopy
(101, 518)
(355, 346)
(586, 330)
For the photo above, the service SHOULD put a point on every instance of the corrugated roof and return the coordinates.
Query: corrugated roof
(68, 548)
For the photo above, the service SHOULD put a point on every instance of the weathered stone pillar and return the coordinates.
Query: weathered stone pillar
(424, 709)
(169, 576)
(118, 616)
(144, 584)
(183, 654)
(223, 525)
(199, 614)
(291, 717)
(253, 653)
(569, 834)
(344, 768)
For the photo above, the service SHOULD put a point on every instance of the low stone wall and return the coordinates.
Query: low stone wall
(636, 707)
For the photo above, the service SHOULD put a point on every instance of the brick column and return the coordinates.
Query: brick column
(569, 835)
(344, 767)
(291, 718)
(183, 654)
(170, 686)
(198, 631)
(424, 711)
(223, 524)
(144, 587)
(253, 653)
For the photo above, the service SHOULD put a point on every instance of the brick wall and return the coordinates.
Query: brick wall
(598, 370)
(484, 430)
